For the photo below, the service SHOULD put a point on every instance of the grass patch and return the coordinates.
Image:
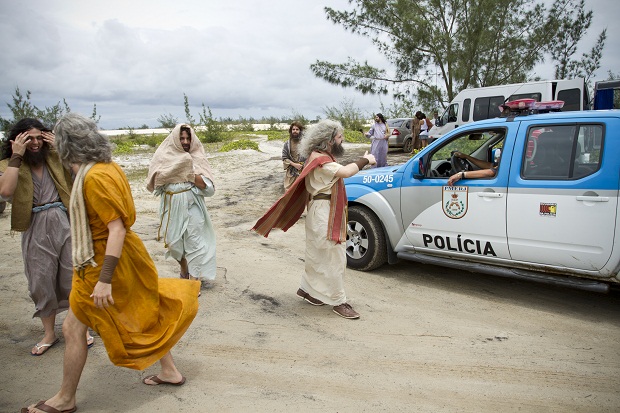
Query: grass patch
(239, 144)
(123, 148)
(355, 136)
(275, 135)
(137, 174)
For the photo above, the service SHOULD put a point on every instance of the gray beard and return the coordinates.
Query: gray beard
(337, 150)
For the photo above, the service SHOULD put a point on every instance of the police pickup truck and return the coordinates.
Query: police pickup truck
(550, 212)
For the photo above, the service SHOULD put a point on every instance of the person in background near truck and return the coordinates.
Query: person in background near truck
(290, 154)
(33, 179)
(435, 118)
(425, 126)
(321, 187)
(379, 134)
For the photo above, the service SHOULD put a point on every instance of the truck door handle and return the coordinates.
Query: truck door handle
(489, 194)
(593, 198)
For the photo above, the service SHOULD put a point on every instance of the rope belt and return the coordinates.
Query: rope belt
(43, 207)
(167, 201)
(322, 196)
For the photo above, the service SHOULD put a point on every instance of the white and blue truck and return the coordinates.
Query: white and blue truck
(550, 212)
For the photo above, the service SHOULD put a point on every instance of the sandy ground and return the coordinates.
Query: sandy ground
(429, 340)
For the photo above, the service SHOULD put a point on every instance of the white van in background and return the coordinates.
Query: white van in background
(483, 103)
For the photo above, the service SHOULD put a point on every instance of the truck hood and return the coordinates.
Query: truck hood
(373, 180)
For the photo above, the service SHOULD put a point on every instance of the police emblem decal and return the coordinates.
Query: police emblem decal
(454, 201)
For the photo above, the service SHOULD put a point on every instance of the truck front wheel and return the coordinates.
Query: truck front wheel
(366, 247)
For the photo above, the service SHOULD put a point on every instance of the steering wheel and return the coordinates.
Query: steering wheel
(459, 164)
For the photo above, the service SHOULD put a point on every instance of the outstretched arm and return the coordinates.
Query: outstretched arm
(354, 167)
(481, 173)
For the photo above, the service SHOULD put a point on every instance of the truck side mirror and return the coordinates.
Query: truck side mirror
(418, 168)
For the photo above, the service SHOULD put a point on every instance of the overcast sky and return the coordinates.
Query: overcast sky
(135, 59)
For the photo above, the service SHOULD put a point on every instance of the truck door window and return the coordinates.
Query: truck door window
(487, 107)
(466, 109)
(561, 152)
(451, 114)
(479, 144)
(571, 98)
(536, 96)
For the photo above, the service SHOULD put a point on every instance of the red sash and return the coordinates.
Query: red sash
(287, 210)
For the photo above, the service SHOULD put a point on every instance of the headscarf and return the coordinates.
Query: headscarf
(171, 164)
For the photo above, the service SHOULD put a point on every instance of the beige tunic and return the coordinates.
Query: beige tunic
(325, 260)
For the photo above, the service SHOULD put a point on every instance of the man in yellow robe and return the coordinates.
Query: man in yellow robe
(116, 290)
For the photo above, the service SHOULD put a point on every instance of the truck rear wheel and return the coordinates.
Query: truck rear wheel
(366, 247)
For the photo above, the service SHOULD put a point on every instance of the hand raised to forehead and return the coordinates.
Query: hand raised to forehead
(48, 137)
(19, 144)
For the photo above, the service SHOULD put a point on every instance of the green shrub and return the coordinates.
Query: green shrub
(275, 135)
(151, 140)
(355, 136)
(123, 147)
(239, 144)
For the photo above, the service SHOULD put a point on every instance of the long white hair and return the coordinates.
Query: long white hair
(319, 137)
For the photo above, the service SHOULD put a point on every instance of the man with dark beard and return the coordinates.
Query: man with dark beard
(33, 179)
(291, 159)
(320, 186)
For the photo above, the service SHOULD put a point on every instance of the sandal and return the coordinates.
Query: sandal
(42, 348)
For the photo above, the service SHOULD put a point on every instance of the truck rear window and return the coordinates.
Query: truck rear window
(562, 152)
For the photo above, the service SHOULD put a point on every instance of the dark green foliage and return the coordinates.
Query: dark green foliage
(22, 107)
(435, 48)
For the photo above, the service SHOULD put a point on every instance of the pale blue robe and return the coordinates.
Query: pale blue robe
(186, 227)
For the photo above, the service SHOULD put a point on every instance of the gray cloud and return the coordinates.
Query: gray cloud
(136, 59)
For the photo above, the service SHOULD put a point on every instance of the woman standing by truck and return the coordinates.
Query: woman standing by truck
(379, 134)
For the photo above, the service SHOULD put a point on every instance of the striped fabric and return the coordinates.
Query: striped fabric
(81, 237)
(287, 210)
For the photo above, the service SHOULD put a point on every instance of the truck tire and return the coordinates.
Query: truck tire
(365, 246)
(408, 145)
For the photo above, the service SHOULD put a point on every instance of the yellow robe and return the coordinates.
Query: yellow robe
(150, 314)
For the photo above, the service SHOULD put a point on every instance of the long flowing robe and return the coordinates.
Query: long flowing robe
(379, 143)
(325, 226)
(290, 153)
(185, 224)
(326, 260)
(186, 227)
(150, 314)
(46, 243)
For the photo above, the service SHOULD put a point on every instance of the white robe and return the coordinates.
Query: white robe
(326, 260)
(186, 227)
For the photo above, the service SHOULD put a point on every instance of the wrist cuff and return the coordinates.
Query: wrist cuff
(16, 160)
(361, 163)
(107, 269)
